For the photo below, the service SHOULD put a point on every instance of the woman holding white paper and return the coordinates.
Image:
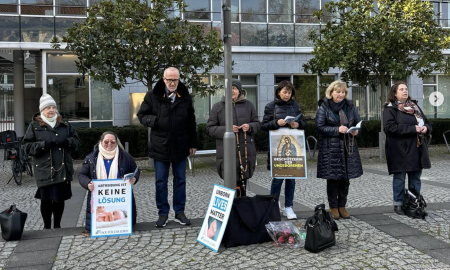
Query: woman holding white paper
(107, 161)
(405, 126)
(338, 160)
(276, 115)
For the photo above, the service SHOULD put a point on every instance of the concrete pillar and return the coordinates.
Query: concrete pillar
(19, 115)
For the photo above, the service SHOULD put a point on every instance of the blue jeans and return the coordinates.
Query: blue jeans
(179, 186)
(288, 190)
(398, 184)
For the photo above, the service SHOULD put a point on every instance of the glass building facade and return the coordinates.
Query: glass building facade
(270, 44)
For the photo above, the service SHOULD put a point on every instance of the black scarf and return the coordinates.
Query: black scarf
(336, 107)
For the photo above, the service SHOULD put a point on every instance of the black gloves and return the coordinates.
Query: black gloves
(62, 142)
(49, 144)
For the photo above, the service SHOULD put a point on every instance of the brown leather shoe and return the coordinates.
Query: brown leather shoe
(343, 212)
(335, 213)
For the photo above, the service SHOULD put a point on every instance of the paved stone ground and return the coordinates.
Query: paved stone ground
(375, 237)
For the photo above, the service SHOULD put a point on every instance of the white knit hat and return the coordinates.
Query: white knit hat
(46, 100)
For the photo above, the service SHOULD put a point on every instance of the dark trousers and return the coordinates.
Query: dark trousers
(48, 208)
(337, 191)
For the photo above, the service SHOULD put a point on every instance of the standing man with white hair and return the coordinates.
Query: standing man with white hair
(169, 112)
(51, 140)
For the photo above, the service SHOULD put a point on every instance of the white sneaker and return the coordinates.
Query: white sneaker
(289, 213)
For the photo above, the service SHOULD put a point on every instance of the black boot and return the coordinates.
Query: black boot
(398, 209)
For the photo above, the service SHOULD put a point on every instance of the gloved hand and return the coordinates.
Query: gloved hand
(62, 142)
(49, 144)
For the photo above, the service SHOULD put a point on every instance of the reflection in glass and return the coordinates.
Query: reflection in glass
(302, 35)
(9, 29)
(443, 111)
(61, 63)
(101, 101)
(280, 11)
(70, 7)
(280, 78)
(62, 24)
(327, 16)
(201, 106)
(304, 10)
(71, 94)
(281, 35)
(36, 7)
(429, 80)
(429, 110)
(8, 6)
(253, 11)
(219, 81)
(252, 93)
(306, 92)
(197, 10)
(36, 29)
(235, 34)
(254, 35)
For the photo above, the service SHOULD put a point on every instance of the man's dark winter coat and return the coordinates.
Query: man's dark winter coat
(173, 126)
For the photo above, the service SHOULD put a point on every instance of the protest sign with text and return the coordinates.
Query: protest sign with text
(111, 208)
(216, 217)
(287, 153)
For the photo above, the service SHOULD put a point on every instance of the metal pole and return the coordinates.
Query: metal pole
(19, 114)
(229, 143)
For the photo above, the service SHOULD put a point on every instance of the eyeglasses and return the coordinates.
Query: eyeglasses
(171, 80)
(110, 142)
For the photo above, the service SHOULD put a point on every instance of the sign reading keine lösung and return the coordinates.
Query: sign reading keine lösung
(216, 217)
(111, 208)
(288, 153)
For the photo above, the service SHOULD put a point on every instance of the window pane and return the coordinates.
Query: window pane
(8, 6)
(37, 7)
(281, 35)
(249, 80)
(306, 92)
(61, 63)
(253, 10)
(445, 14)
(234, 10)
(302, 35)
(62, 24)
(37, 29)
(280, 10)
(254, 35)
(235, 34)
(197, 10)
(443, 111)
(70, 7)
(429, 80)
(220, 81)
(101, 101)
(428, 109)
(252, 93)
(326, 15)
(217, 10)
(9, 29)
(281, 78)
(304, 10)
(71, 94)
(201, 106)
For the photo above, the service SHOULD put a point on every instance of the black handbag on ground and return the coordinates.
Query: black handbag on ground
(12, 222)
(248, 218)
(414, 204)
(320, 230)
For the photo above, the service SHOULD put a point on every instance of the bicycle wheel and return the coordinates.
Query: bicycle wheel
(17, 171)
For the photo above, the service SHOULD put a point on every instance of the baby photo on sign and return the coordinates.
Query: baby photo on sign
(287, 154)
(110, 217)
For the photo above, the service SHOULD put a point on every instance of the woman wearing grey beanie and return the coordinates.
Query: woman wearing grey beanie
(50, 141)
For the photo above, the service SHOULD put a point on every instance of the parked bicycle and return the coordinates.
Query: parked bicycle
(13, 151)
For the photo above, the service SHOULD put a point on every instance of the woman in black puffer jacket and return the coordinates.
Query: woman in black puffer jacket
(338, 159)
(274, 114)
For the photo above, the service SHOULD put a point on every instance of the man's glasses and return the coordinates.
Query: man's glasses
(171, 80)
(110, 142)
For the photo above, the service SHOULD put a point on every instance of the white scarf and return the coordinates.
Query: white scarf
(49, 121)
(100, 167)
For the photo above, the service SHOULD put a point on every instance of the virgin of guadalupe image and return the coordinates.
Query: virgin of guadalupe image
(286, 148)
